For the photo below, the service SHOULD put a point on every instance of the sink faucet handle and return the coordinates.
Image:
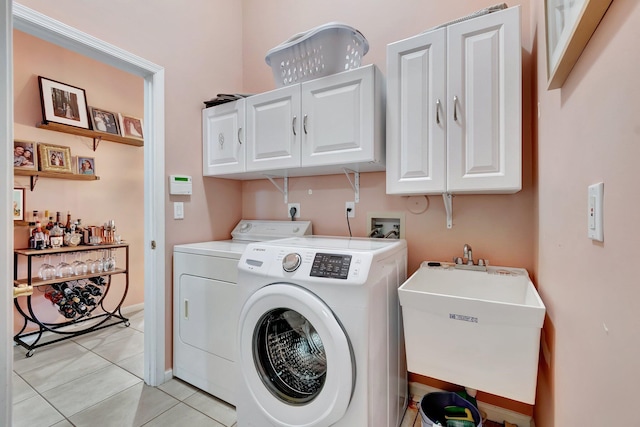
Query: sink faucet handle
(457, 260)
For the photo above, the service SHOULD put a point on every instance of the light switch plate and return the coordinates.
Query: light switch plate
(178, 210)
(595, 208)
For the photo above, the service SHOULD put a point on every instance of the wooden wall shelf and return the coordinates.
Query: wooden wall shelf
(95, 135)
(34, 175)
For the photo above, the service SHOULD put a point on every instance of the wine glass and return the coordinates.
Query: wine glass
(97, 266)
(79, 266)
(47, 271)
(63, 269)
(110, 261)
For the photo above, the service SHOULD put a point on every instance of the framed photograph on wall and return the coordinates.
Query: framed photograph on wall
(24, 155)
(131, 127)
(104, 121)
(569, 26)
(55, 158)
(63, 103)
(18, 204)
(86, 166)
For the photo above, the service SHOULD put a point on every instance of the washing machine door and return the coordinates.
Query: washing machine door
(295, 358)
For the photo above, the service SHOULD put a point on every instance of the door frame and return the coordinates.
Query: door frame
(14, 15)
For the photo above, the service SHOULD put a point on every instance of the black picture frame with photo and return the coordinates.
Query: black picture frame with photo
(63, 103)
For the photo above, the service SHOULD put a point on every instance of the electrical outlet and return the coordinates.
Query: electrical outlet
(293, 205)
(352, 206)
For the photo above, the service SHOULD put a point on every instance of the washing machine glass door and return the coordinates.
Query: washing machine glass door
(295, 357)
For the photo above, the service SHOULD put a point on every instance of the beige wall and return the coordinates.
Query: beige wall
(119, 193)
(587, 132)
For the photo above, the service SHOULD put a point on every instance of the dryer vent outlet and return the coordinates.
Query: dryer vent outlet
(386, 224)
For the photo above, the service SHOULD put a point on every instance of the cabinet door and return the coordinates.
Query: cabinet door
(484, 104)
(416, 115)
(338, 118)
(273, 129)
(222, 134)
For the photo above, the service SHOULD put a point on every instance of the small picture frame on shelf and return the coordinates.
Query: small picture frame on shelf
(55, 158)
(63, 103)
(18, 204)
(104, 121)
(131, 127)
(24, 155)
(86, 166)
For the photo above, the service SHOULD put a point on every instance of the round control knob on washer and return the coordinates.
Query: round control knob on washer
(291, 262)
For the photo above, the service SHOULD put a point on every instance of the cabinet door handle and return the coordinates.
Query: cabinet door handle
(438, 111)
(293, 125)
(186, 308)
(239, 140)
(455, 108)
(304, 124)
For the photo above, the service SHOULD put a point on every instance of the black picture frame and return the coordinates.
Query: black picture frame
(63, 103)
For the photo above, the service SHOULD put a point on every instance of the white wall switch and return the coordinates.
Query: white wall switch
(595, 208)
(178, 210)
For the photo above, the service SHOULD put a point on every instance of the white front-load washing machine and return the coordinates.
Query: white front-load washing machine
(205, 305)
(319, 333)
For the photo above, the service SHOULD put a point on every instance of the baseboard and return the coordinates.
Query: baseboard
(132, 308)
(494, 413)
(168, 374)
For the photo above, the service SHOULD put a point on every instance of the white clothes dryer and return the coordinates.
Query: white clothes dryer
(205, 305)
(319, 333)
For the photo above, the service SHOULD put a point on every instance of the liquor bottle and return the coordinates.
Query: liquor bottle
(32, 239)
(38, 236)
(56, 236)
(49, 225)
(67, 227)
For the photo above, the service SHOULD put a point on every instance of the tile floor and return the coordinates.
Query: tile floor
(96, 380)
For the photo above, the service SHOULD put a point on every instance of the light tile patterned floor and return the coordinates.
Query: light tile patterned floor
(96, 380)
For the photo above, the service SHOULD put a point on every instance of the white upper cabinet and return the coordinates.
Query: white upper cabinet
(273, 136)
(318, 127)
(339, 118)
(454, 115)
(223, 134)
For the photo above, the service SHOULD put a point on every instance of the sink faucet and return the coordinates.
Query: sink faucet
(466, 252)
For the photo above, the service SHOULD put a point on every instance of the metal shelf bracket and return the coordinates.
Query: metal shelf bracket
(285, 185)
(448, 206)
(355, 184)
(96, 142)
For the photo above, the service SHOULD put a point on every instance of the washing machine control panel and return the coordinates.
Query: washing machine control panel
(334, 266)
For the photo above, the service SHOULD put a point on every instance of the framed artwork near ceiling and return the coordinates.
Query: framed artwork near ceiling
(55, 158)
(569, 26)
(63, 103)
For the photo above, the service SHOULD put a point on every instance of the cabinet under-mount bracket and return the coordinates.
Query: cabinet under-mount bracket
(448, 207)
(355, 184)
(285, 185)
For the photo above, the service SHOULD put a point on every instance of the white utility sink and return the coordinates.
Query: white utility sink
(478, 329)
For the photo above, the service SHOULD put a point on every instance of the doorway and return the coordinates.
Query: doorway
(16, 16)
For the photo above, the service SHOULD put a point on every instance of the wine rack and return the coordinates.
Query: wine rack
(96, 316)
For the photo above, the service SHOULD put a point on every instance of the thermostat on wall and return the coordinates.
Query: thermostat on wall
(180, 185)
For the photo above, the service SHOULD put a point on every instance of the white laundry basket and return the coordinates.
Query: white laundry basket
(321, 51)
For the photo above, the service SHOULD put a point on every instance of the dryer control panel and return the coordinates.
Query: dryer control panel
(334, 266)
